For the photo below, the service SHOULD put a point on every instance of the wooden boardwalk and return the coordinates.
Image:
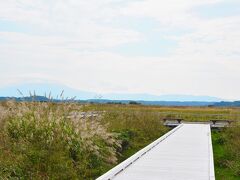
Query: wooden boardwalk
(184, 153)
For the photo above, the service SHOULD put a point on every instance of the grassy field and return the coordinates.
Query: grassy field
(187, 113)
(74, 141)
(226, 147)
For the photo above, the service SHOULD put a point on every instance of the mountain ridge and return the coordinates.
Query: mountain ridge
(107, 101)
(56, 89)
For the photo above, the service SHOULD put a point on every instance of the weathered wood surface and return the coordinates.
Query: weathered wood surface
(185, 153)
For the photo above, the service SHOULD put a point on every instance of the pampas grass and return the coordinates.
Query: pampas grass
(47, 140)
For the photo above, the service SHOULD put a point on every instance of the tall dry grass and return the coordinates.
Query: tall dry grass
(51, 141)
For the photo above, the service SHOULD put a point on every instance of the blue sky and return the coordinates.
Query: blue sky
(133, 46)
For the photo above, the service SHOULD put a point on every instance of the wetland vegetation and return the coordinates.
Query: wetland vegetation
(46, 140)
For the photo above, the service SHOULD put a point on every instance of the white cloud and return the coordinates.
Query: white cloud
(71, 40)
(73, 24)
(170, 13)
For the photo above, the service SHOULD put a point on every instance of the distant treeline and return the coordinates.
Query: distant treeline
(107, 101)
(225, 103)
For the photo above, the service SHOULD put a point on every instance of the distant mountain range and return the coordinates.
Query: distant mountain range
(55, 89)
(107, 101)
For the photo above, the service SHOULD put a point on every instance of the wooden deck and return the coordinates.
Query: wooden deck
(184, 153)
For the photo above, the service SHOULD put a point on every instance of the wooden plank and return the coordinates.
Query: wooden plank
(183, 153)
